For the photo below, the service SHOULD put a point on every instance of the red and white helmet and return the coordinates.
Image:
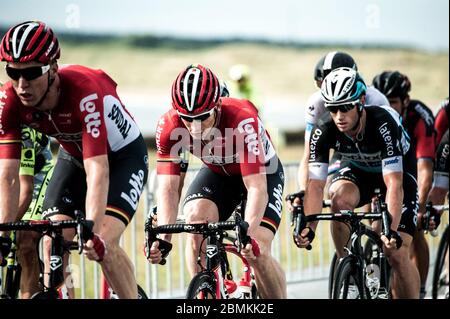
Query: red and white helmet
(196, 90)
(29, 41)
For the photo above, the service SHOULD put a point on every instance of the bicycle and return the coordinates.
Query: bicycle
(10, 282)
(212, 281)
(371, 280)
(440, 285)
(59, 245)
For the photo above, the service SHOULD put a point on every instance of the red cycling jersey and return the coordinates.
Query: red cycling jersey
(89, 119)
(419, 124)
(441, 120)
(239, 137)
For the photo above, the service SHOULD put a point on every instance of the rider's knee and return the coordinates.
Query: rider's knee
(399, 257)
(197, 211)
(339, 202)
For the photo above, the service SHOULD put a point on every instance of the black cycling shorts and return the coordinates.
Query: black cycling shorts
(228, 191)
(128, 171)
(367, 183)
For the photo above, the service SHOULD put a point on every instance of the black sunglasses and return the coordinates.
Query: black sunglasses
(344, 108)
(28, 74)
(200, 117)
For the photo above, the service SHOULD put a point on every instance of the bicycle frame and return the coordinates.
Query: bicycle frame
(216, 263)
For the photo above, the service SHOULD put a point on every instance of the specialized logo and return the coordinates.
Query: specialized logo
(251, 138)
(92, 119)
(120, 121)
(50, 211)
(137, 184)
(193, 196)
(207, 189)
(55, 262)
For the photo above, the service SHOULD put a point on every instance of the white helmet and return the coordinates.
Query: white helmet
(342, 86)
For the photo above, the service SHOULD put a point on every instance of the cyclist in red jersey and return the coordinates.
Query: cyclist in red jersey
(418, 120)
(102, 164)
(441, 120)
(239, 161)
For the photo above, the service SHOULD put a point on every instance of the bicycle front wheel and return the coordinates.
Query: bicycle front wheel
(347, 284)
(334, 262)
(440, 274)
(202, 286)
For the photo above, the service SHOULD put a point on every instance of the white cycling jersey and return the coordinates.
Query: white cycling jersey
(315, 107)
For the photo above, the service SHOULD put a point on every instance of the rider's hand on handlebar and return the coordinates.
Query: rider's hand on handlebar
(251, 250)
(293, 200)
(305, 239)
(394, 242)
(159, 250)
(95, 248)
(154, 255)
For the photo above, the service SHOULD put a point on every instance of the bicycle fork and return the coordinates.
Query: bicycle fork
(13, 272)
(56, 274)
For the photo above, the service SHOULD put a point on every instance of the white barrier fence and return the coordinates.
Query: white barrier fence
(172, 279)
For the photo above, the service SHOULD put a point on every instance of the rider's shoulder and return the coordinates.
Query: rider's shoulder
(235, 110)
(83, 78)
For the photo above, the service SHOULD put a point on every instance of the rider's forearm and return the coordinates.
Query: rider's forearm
(26, 194)
(97, 178)
(394, 201)
(168, 199)
(257, 200)
(9, 190)
(437, 195)
(313, 199)
(303, 169)
(424, 181)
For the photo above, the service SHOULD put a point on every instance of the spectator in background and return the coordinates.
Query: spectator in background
(241, 87)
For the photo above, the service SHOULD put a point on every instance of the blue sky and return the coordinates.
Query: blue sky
(417, 23)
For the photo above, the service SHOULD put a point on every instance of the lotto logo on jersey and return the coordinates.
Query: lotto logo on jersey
(251, 139)
(92, 118)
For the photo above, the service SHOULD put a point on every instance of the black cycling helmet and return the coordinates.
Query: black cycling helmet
(331, 61)
(392, 84)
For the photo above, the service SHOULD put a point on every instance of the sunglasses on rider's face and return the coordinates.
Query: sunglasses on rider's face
(200, 117)
(28, 74)
(343, 108)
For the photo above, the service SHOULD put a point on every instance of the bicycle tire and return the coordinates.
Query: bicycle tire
(141, 293)
(11, 284)
(347, 270)
(49, 295)
(333, 265)
(439, 263)
(201, 286)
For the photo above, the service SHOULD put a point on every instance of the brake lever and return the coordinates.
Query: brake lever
(84, 230)
(386, 219)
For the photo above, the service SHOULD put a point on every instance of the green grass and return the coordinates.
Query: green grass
(278, 72)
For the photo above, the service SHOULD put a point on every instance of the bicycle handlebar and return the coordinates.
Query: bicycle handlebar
(300, 219)
(238, 225)
(82, 226)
